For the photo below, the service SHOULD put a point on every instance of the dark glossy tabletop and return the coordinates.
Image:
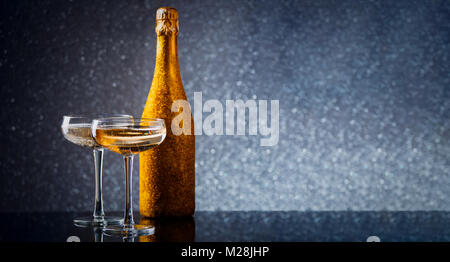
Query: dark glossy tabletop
(240, 226)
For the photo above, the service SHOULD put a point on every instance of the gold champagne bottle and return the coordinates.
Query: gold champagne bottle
(167, 172)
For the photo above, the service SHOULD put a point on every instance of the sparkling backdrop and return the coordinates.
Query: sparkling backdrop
(364, 91)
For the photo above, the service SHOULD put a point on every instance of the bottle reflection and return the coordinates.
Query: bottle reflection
(170, 229)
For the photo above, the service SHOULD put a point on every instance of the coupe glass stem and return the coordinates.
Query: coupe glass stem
(99, 214)
(128, 220)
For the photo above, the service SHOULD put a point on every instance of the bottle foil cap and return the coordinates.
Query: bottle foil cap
(166, 13)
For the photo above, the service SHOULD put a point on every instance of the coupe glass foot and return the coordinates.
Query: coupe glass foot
(90, 221)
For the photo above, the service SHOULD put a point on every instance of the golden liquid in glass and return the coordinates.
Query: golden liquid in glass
(79, 134)
(129, 140)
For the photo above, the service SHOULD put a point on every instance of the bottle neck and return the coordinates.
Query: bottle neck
(166, 54)
(167, 49)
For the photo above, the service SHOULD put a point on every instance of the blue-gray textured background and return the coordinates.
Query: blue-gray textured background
(364, 91)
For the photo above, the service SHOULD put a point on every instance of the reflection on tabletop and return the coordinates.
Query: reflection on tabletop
(230, 226)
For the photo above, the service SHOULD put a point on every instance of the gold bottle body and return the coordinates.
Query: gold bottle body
(167, 172)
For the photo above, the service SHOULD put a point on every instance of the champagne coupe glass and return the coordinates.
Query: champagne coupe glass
(128, 137)
(77, 129)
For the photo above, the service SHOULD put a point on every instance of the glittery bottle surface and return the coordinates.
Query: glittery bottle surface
(167, 173)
